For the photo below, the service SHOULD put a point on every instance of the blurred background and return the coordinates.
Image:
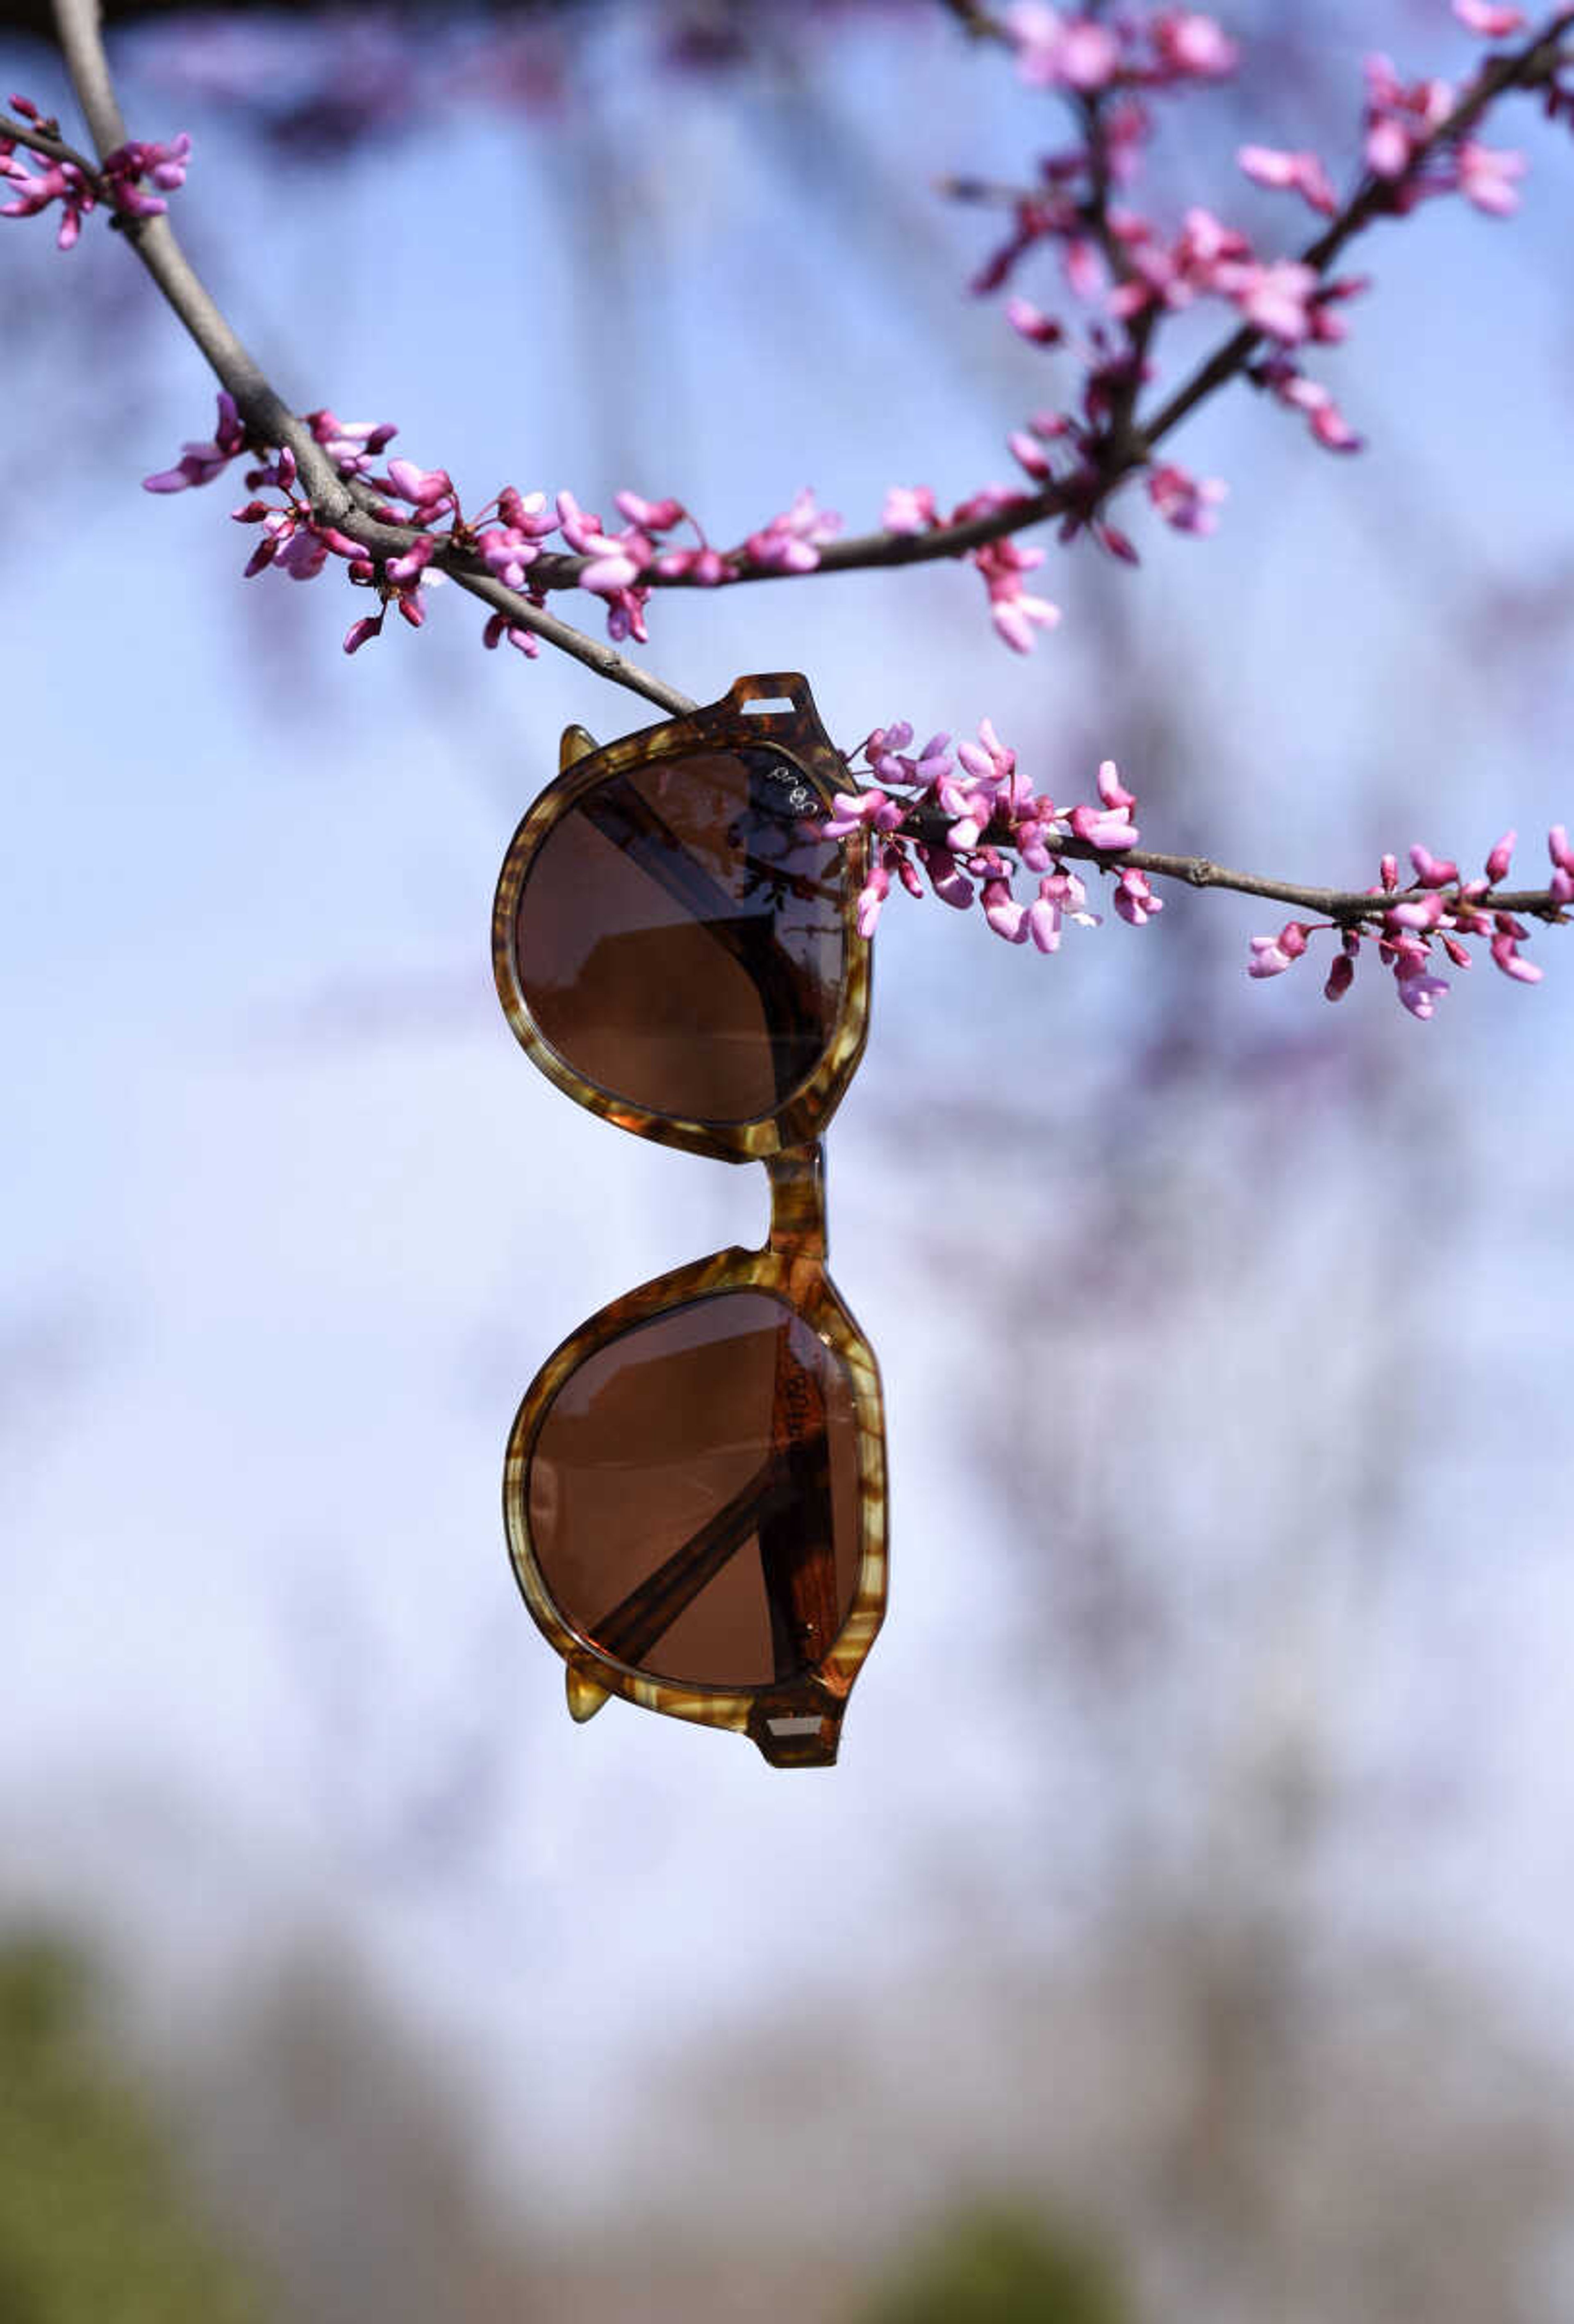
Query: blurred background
(1185, 1933)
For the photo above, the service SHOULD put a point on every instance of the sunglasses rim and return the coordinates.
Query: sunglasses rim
(803, 1116)
(803, 1284)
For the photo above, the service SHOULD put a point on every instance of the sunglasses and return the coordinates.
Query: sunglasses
(695, 1486)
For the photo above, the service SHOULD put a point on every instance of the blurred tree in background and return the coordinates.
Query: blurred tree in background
(1002, 2266)
(95, 2224)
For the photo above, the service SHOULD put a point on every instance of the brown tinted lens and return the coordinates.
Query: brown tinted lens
(693, 1495)
(679, 935)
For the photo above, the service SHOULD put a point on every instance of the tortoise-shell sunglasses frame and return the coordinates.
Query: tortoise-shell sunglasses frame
(794, 1722)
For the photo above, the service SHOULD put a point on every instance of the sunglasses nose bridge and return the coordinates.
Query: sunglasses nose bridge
(798, 1201)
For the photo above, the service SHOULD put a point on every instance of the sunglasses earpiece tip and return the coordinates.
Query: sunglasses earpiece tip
(575, 744)
(584, 1697)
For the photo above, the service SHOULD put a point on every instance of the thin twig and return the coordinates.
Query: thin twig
(268, 418)
(929, 825)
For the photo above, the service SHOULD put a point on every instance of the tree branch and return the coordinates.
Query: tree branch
(267, 416)
(1131, 446)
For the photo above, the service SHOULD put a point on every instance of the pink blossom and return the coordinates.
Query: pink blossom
(1191, 43)
(200, 463)
(1207, 239)
(1041, 330)
(500, 627)
(1421, 993)
(1274, 297)
(1056, 51)
(1030, 453)
(1303, 173)
(1112, 790)
(1340, 976)
(352, 444)
(1014, 613)
(1489, 177)
(704, 567)
(1326, 421)
(1004, 915)
(909, 508)
(1108, 830)
(54, 182)
(527, 513)
(1434, 871)
(626, 614)
(1501, 857)
(507, 551)
(356, 635)
(650, 516)
(1135, 900)
(1269, 957)
(1415, 916)
(1388, 148)
(1045, 915)
(405, 571)
(611, 569)
(430, 490)
(1493, 23)
(1506, 956)
(947, 878)
(166, 165)
(792, 541)
(1185, 501)
(872, 896)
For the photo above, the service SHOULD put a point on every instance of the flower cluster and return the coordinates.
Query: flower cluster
(962, 813)
(506, 538)
(1087, 54)
(118, 179)
(1439, 908)
(1110, 68)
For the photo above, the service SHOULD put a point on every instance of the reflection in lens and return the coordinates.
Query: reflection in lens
(693, 1495)
(679, 935)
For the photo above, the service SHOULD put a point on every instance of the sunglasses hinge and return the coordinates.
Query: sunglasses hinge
(798, 1201)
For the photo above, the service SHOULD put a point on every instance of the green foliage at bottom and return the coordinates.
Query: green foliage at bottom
(93, 2227)
(1001, 2265)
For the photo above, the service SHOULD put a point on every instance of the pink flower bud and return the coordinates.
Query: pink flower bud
(1506, 957)
(1423, 913)
(947, 878)
(872, 897)
(1044, 923)
(1387, 151)
(1340, 977)
(1421, 993)
(1493, 23)
(1501, 857)
(655, 516)
(1041, 330)
(1434, 871)
(1109, 831)
(1268, 958)
(1111, 789)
